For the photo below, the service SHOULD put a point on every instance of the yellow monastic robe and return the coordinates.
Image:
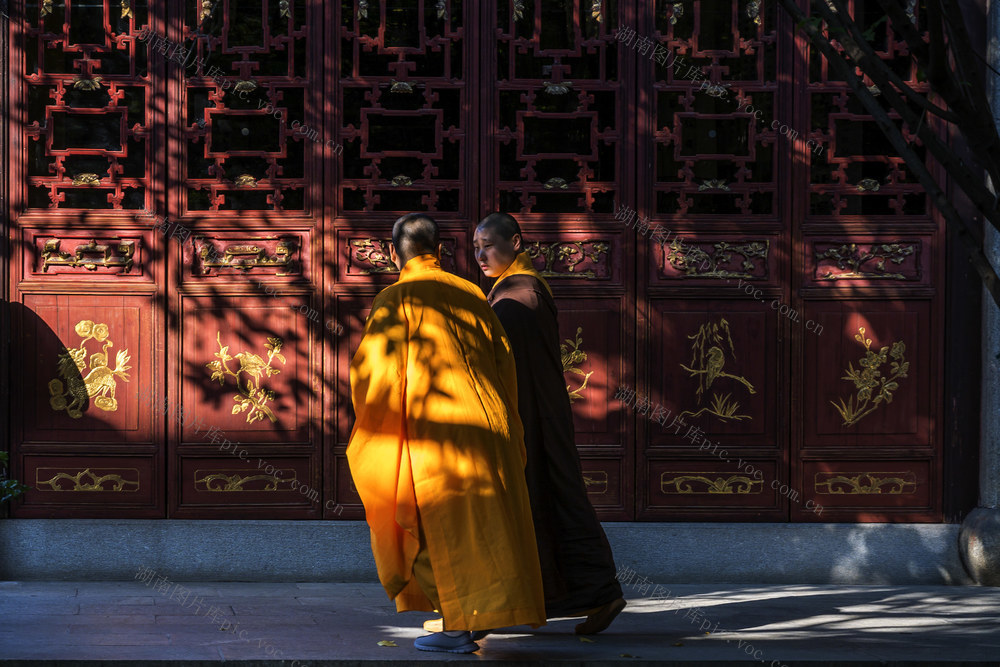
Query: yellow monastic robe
(437, 440)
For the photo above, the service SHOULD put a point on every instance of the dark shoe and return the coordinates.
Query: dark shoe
(601, 618)
(479, 634)
(441, 642)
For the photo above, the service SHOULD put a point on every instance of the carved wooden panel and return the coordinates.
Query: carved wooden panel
(249, 117)
(82, 361)
(86, 107)
(254, 257)
(91, 485)
(229, 483)
(246, 370)
(558, 108)
(100, 255)
(714, 365)
(853, 168)
(878, 489)
(708, 258)
(365, 257)
(719, 60)
(405, 97)
(869, 374)
(699, 488)
(867, 261)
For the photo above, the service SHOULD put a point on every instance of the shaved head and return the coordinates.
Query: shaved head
(415, 234)
(501, 224)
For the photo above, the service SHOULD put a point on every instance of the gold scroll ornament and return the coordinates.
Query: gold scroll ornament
(253, 396)
(873, 388)
(865, 484)
(707, 359)
(85, 480)
(218, 481)
(708, 483)
(84, 255)
(572, 354)
(99, 382)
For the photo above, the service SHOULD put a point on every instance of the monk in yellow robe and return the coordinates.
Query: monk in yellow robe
(437, 450)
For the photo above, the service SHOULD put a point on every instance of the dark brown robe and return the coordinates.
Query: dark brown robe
(578, 570)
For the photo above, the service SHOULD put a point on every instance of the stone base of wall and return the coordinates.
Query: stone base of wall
(340, 551)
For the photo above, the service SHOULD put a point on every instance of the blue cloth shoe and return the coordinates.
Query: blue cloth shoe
(441, 642)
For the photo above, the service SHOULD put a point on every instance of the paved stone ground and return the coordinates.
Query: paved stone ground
(313, 624)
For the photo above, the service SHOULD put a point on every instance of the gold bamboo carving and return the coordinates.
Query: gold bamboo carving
(707, 360)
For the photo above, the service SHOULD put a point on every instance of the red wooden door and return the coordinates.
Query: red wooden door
(202, 195)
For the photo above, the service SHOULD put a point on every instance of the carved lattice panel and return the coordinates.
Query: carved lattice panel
(248, 126)
(854, 170)
(405, 100)
(86, 95)
(719, 61)
(558, 102)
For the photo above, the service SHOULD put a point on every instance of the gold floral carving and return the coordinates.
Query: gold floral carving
(362, 9)
(866, 484)
(557, 87)
(247, 256)
(126, 9)
(252, 397)
(596, 10)
(697, 263)
(402, 179)
(851, 258)
(46, 8)
(219, 482)
(753, 11)
(53, 256)
(86, 179)
(714, 184)
(868, 185)
(518, 10)
(556, 183)
(284, 11)
(596, 482)
(86, 480)
(872, 386)
(442, 10)
(100, 380)
(572, 354)
(206, 10)
(375, 253)
(676, 11)
(400, 87)
(572, 253)
(245, 181)
(709, 483)
(707, 359)
(247, 86)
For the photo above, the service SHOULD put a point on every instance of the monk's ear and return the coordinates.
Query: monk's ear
(437, 252)
(516, 240)
(393, 257)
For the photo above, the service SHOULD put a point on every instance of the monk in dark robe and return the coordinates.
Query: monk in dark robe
(437, 452)
(578, 570)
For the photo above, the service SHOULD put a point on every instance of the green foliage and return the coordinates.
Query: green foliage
(9, 488)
